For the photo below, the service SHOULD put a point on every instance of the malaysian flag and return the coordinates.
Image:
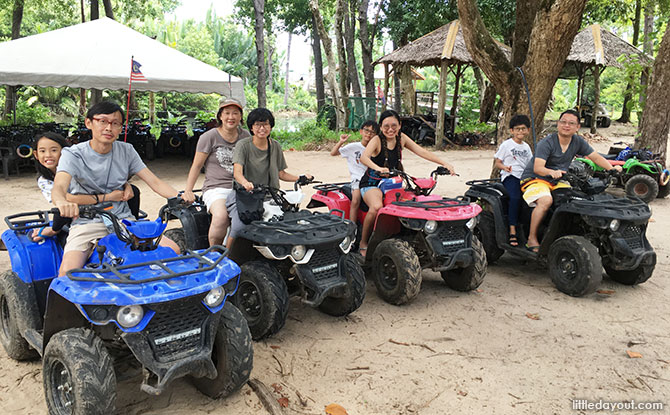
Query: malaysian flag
(135, 73)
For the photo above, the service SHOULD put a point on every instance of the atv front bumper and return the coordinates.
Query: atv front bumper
(450, 247)
(630, 249)
(169, 353)
(323, 275)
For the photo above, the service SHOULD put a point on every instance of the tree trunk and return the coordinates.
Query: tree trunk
(647, 46)
(108, 8)
(407, 89)
(628, 96)
(271, 52)
(318, 67)
(82, 91)
(596, 99)
(440, 142)
(259, 10)
(17, 18)
(342, 61)
(540, 51)
(332, 66)
(367, 40)
(288, 61)
(349, 39)
(655, 123)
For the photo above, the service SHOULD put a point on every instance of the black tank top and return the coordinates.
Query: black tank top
(391, 161)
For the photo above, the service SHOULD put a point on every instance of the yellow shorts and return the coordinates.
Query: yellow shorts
(535, 189)
(83, 237)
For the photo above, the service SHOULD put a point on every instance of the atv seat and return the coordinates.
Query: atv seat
(610, 156)
(346, 189)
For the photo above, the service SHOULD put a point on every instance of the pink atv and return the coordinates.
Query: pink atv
(414, 230)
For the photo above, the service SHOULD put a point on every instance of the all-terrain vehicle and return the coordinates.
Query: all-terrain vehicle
(133, 302)
(584, 230)
(415, 230)
(643, 173)
(603, 119)
(290, 252)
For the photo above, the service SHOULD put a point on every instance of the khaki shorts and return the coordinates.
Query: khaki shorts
(83, 237)
(537, 188)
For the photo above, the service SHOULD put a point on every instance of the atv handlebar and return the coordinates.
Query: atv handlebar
(303, 181)
(40, 218)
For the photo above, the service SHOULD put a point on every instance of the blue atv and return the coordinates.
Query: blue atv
(134, 301)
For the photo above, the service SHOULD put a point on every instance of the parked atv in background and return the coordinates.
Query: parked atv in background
(134, 301)
(139, 135)
(199, 128)
(173, 138)
(290, 252)
(415, 230)
(644, 174)
(603, 119)
(584, 231)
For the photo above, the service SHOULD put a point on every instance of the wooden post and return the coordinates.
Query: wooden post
(596, 100)
(152, 107)
(441, 104)
(386, 87)
(454, 104)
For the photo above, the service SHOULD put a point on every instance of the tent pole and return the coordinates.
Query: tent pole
(441, 103)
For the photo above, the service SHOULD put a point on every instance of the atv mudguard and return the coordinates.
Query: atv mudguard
(32, 261)
(334, 199)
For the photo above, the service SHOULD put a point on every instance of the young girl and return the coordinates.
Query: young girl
(47, 150)
(383, 153)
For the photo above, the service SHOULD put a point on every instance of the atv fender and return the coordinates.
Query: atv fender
(491, 196)
(243, 251)
(195, 221)
(332, 200)
(33, 261)
(60, 315)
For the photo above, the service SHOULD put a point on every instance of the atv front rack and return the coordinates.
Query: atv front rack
(330, 187)
(483, 182)
(122, 273)
(443, 203)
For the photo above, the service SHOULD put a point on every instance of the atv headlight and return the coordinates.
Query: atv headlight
(430, 226)
(130, 315)
(215, 297)
(614, 225)
(471, 223)
(298, 252)
(345, 245)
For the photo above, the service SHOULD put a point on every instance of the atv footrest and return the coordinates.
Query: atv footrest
(121, 274)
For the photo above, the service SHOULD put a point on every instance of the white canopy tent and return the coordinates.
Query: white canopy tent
(97, 54)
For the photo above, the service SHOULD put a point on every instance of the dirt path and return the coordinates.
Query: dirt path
(446, 352)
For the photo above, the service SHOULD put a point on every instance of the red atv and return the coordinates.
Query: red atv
(414, 230)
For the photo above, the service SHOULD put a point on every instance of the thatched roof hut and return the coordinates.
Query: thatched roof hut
(597, 46)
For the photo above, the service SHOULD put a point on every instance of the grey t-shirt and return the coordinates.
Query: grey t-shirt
(95, 173)
(549, 149)
(219, 163)
(255, 162)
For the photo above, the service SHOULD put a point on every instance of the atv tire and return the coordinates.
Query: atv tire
(470, 277)
(78, 374)
(150, 149)
(663, 191)
(486, 233)
(233, 355)
(262, 297)
(353, 294)
(396, 271)
(178, 237)
(643, 186)
(18, 311)
(630, 277)
(574, 265)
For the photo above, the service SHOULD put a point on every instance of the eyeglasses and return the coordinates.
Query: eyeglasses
(265, 125)
(519, 129)
(368, 130)
(390, 127)
(103, 122)
(570, 123)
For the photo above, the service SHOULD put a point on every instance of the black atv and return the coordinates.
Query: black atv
(290, 252)
(584, 231)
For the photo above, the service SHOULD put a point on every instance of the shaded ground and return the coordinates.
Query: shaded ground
(447, 352)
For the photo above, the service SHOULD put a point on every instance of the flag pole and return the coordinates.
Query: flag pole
(130, 83)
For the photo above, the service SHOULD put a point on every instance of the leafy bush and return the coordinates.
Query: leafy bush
(311, 135)
(27, 114)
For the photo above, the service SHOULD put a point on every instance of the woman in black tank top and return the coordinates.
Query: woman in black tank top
(383, 153)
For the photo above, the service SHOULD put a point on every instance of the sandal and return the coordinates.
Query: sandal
(533, 248)
(512, 240)
(362, 251)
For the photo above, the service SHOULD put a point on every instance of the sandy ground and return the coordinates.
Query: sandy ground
(446, 352)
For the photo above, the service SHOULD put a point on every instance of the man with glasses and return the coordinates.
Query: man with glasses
(352, 153)
(553, 156)
(94, 167)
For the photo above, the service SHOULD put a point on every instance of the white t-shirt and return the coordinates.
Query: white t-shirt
(45, 186)
(515, 155)
(353, 152)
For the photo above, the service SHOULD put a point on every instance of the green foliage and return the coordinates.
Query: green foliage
(309, 136)
(27, 114)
